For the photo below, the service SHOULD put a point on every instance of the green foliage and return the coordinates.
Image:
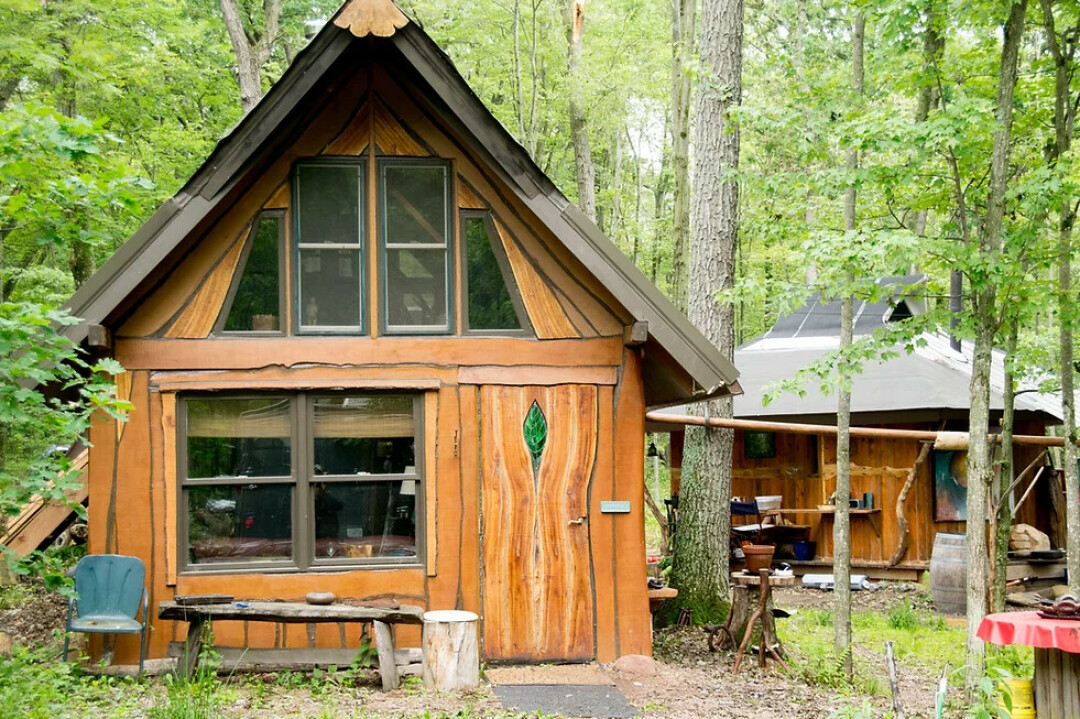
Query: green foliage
(33, 684)
(48, 393)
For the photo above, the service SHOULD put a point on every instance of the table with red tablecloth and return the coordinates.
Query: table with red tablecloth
(1057, 657)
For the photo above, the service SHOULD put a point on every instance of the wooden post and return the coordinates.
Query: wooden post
(451, 651)
(384, 645)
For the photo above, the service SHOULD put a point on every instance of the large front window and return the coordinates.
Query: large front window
(299, 481)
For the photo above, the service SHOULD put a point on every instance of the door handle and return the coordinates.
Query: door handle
(580, 520)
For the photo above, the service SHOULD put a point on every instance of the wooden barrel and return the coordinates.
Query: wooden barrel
(948, 573)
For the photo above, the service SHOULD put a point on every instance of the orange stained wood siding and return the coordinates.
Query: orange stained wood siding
(536, 586)
(562, 298)
(198, 317)
(547, 316)
(804, 473)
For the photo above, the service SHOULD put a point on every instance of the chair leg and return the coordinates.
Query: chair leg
(67, 640)
(142, 651)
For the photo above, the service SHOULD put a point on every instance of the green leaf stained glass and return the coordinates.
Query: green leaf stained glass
(535, 430)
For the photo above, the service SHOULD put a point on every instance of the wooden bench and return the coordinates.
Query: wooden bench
(293, 613)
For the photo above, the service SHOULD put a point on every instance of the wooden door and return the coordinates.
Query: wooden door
(537, 594)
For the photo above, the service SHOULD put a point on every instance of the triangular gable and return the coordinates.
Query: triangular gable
(680, 363)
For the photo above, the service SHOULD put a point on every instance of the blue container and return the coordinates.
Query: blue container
(804, 550)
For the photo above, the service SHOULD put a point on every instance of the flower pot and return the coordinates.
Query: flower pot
(758, 556)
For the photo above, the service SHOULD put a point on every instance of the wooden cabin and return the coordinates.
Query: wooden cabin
(926, 390)
(373, 350)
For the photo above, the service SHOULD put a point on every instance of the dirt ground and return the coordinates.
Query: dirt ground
(691, 682)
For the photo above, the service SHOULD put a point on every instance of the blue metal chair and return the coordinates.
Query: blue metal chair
(107, 590)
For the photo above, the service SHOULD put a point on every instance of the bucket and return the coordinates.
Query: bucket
(1023, 699)
(804, 550)
(758, 556)
(948, 573)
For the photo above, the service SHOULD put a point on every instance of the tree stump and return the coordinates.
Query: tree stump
(451, 651)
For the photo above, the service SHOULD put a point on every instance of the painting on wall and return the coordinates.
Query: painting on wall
(950, 485)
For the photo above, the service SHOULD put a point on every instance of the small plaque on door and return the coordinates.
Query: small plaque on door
(615, 507)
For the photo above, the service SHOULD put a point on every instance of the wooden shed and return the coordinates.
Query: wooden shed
(926, 390)
(373, 350)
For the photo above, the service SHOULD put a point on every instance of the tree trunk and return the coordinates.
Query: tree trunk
(1064, 114)
(701, 543)
(984, 299)
(579, 131)
(683, 20)
(251, 46)
(1003, 519)
(842, 518)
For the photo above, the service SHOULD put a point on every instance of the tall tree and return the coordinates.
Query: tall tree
(1062, 50)
(842, 519)
(252, 43)
(683, 47)
(984, 291)
(579, 127)
(701, 547)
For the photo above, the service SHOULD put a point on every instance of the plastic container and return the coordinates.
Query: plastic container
(769, 501)
(804, 550)
(1021, 695)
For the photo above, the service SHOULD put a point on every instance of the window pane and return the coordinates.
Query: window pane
(364, 435)
(414, 204)
(490, 305)
(328, 203)
(329, 288)
(365, 519)
(245, 523)
(239, 437)
(416, 288)
(256, 304)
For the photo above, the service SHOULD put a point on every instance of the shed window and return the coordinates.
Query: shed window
(300, 481)
(255, 304)
(490, 304)
(329, 222)
(415, 222)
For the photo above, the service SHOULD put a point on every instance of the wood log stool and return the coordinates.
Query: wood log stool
(451, 651)
(751, 603)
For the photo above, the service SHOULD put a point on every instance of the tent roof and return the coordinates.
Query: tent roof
(377, 27)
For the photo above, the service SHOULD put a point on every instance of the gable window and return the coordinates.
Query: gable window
(299, 481)
(254, 302)
(330, 239)
(414, 220)
(490, 294)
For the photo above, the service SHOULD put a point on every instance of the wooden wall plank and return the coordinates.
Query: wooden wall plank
(631, 595)
(602, 530)
(202, 311)
(537, 375)
(431, 494)
(443, 582)
(392, 138)
(354, 139)
(467, 197)
(469, 441)
(281, 199)
(171, 493)
(251, 353)
(546, 315)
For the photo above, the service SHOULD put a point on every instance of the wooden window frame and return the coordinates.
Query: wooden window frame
(360, 163)
(302, 443)
(230, 297)
(505, 270)
(385, 327)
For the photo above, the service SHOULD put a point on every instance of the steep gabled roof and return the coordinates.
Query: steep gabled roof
(134, 268)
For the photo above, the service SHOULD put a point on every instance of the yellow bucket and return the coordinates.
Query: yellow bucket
(1023, 699)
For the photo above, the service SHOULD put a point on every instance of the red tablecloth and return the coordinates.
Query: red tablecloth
(1032, 630)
